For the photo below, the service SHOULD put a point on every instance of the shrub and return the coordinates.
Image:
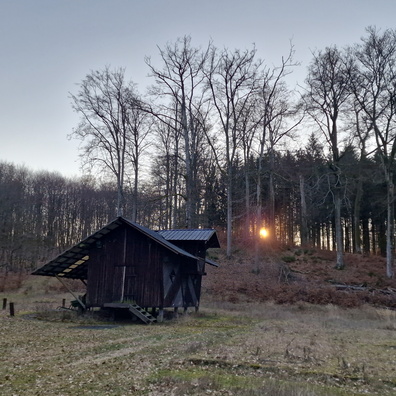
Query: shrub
(289, 259)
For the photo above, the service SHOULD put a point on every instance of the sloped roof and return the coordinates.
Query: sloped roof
(211, 262)
(73, 262)
(207, 235)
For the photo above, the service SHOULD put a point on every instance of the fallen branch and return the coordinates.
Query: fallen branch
(352, 287)
(389, 290)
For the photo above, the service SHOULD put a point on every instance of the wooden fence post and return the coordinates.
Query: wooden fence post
(4, 303)
(64, 303)
(12, 310)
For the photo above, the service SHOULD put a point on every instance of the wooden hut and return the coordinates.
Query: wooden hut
(126, 265)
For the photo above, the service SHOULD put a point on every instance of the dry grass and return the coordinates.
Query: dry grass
(274, 327)
(228, 348)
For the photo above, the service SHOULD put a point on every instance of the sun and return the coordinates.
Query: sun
(263, 233)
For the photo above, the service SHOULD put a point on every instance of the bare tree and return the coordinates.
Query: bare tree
(328, 90)
(108, 106)
(232, 80)
(139, 139)
(179, 90)
(166, 171)
(310, 165)
(361, 133)
(249, 126)
(276, 122)
(374, 86)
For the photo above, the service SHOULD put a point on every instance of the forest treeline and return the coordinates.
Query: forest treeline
(220, 140)
(44, 213)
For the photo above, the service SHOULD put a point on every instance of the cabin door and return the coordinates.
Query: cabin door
(129, 292)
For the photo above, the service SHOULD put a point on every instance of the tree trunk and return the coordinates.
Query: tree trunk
(135, 193)
(229, 211)
(189, 179)
(347, 239)
(366, 236)
(247, 231)
(304, 224)
(258, 223)
(168, 196)
(390, 226)
(381, 236)
(120, 198)
(338, 229)
(328, 227)
(271, 219)
(175, 178)
(356, 217)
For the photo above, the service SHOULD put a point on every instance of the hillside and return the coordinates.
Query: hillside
(283, 276)
(292, 275)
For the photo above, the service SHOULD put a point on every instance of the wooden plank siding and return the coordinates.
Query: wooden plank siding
(182, 287)
(128, 266)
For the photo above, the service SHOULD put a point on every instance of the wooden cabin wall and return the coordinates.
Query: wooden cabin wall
(172, 282)
(191, 285)
(192, 290)
(182, 283)
(104, 271)
(125, 266)
(143, 282)
(128, 266)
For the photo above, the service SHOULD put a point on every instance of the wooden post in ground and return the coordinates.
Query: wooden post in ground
(12, 310)
(4, 303)
(63, 302)
(160, 317)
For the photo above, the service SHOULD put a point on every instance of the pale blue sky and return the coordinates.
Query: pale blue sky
(48, 46)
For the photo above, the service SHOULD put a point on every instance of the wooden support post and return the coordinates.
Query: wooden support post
(160, 317)
(63, 302)
(4, 303)
(64, 284)
(12, 310)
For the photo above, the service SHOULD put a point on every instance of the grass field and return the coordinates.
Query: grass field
(225, 349)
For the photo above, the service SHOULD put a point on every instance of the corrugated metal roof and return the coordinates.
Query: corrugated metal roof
(73, 262)
(205, 235)
(160, 239)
